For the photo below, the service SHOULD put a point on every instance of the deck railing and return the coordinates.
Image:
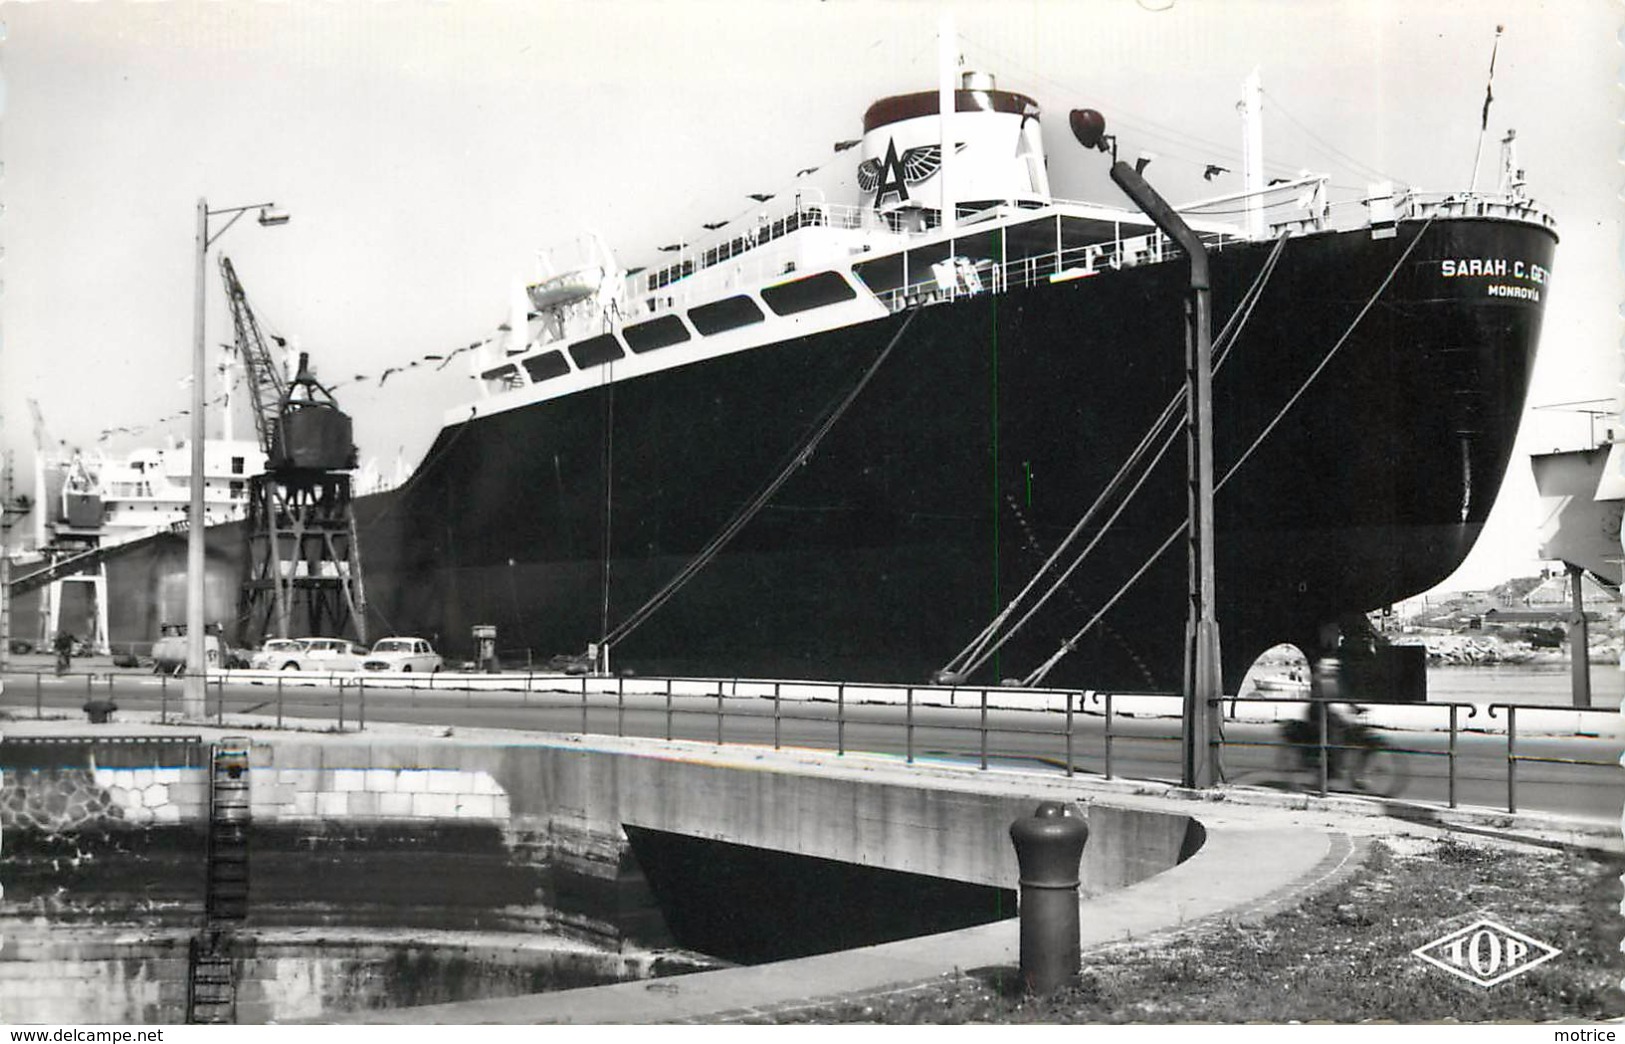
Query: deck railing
(1416, 205)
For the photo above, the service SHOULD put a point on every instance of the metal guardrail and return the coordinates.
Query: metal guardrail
(1323, 748)
(1513, 757)
(1414, 205)
(1030, 270)
(941, 710)
(343, 698)
(170, 696)
(1321, 754)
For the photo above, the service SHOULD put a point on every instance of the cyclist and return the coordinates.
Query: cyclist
(1326, 689)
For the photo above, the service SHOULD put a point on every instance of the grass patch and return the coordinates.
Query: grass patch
(1341, 956)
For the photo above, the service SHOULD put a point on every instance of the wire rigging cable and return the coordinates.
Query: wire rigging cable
(1313, 374)
(750, 508)
(985, 644)
(1183, 145)
(1038, 675)
(1352, 164)
(978, 652)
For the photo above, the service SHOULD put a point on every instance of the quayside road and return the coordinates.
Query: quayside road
(1140, 747)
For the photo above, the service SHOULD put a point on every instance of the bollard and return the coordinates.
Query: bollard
(1049, 847)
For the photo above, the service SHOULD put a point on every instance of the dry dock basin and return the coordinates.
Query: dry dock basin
(403, 868)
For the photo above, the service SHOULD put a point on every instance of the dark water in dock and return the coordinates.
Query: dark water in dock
(95, 924)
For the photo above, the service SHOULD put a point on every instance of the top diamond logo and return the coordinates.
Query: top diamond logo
(1486, 953)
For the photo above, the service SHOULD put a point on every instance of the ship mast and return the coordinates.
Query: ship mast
(1484, 120)
(947, 86)
(1252, 151)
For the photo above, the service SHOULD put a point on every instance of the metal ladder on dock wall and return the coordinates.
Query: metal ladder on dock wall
(211, 993)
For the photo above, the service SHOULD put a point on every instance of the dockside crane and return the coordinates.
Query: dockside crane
(302, 570)
(68, 534)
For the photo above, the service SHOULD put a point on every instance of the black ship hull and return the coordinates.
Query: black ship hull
(989, 429)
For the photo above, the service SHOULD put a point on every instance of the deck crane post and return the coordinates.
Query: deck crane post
(302, 569)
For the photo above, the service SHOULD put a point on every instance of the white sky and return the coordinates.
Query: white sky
(427, 150)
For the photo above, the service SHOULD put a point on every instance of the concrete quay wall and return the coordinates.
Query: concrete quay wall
(578, 797)
(572, 799)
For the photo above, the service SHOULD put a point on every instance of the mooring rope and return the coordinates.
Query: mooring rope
(984, 645)
(1038, 675)
(749, 510)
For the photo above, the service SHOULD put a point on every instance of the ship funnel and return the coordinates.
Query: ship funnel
(997, 157)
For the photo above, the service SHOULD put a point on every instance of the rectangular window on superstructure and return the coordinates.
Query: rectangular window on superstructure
(656, 333)
(236, 465)
(882, 273)
(726, 314)
(547, 366)
(236, 489)
(670, 274)
(814, 291)
(596, 351)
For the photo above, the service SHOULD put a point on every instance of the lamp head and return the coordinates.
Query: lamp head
(269, 217)
(1089, 127)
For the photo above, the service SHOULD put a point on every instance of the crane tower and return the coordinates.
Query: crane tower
(302, 572)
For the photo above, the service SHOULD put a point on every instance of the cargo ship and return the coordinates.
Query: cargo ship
(837, 439)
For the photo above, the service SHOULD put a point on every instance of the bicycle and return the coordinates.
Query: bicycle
(1358, 754)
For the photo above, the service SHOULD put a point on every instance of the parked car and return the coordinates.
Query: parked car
(402, 654)
(325, 654)
(278, 654)
(169, 651)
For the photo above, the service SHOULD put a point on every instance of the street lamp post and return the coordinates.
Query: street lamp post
(1203, 678)
(196, 663)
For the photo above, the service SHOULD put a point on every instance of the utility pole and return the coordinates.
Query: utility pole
(192, 699)
(1579, 639)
